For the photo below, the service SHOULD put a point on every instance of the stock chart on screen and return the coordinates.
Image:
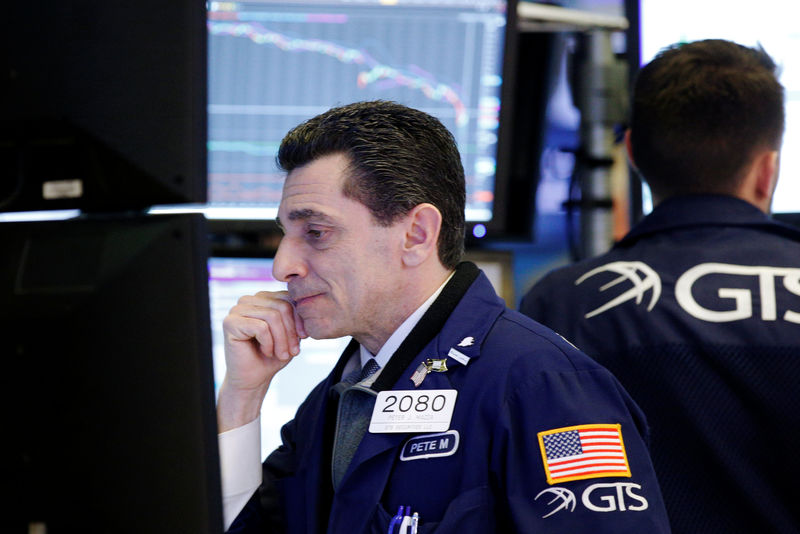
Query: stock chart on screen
(273, 65)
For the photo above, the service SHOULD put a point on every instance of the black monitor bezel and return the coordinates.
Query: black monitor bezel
(108, 378)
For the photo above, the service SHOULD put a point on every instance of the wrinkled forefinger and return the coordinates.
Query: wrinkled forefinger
(284, 326)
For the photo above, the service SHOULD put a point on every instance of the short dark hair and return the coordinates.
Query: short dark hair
(699, 112)
(399, 158)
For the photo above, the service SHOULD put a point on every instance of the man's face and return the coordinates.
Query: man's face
(341, 267)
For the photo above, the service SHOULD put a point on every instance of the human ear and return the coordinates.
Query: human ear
(767, 166)
(423, 224)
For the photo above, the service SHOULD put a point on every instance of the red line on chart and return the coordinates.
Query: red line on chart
(374, 71)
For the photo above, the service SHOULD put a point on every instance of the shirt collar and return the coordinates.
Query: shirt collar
(698, 210)
(402, 331)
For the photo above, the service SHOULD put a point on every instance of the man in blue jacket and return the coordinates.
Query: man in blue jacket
(697, 310)
(448, 411)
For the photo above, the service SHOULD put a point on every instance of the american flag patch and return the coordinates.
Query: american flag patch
(583, 451)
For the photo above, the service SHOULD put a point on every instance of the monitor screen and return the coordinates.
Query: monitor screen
(769, 23)
(275, 64)
(107, 386)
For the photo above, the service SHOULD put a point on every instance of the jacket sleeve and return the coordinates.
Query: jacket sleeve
(539, 433)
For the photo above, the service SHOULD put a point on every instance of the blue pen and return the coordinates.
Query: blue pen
(396, 520)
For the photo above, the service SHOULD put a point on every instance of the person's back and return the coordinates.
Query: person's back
(697, 310)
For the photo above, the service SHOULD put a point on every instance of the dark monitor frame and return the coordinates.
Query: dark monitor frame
(102, 105)
(107, 386)
(633, 56)
(519, 145)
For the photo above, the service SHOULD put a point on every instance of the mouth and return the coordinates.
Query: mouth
(301, 301)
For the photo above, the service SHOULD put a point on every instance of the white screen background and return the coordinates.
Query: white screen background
(771, 23)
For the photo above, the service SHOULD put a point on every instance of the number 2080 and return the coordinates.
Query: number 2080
(406, 403)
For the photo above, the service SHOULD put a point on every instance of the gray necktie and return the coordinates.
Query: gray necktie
(355, 411)
(369, 369)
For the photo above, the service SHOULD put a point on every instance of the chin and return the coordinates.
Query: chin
(320, 330)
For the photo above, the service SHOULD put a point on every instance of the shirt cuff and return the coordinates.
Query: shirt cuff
(240, 466)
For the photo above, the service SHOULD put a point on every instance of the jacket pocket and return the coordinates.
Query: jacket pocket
(471, 511)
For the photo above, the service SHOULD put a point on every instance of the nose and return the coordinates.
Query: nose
(288, 262)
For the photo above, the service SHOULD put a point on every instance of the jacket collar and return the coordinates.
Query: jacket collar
(705, 211)
(428, 327)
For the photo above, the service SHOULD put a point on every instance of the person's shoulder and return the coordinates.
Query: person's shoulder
(526, 343)
(563, 272)
(557, 284)
(522, 359)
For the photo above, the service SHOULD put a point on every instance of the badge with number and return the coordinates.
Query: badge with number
(427, 410)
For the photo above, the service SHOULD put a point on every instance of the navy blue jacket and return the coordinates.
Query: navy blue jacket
(697, 313)
(521, 380)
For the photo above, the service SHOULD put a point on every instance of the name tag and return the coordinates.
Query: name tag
(430, 446)
(413, 411)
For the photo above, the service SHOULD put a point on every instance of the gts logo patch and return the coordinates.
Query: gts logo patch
(735, 289)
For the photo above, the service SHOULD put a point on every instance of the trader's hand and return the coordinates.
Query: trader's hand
(262, 335)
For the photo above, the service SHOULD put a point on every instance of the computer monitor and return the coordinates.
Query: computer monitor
(102, 104)
(275, 64)
(107, 389)
(770, 23)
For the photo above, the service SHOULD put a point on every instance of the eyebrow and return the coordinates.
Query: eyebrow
(304, 215)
